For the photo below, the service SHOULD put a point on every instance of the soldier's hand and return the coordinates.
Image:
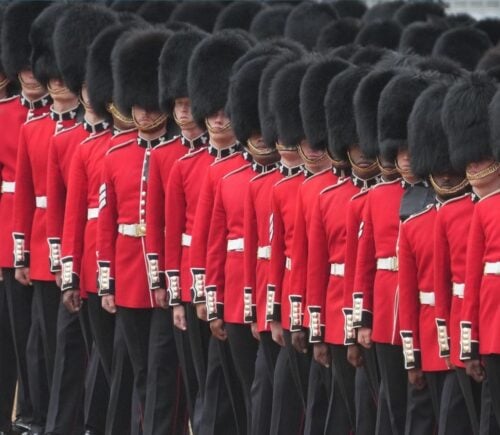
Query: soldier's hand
(161, 298)
(322, 354)
(475, 370)
(1, 274)
(355, 355)
(23, 275)
(179, 315)
(365, 337)
(201, 311)
(416, 377)
(71, 300)
(218, 330)
(277, 333)
(255, 331)
(449, 364)
(108, 303)
(299, 341)
(58, 276)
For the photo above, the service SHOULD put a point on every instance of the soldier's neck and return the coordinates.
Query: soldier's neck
(152, 135)
(61, 106)
(220, 144)
(92, 118)
(487, 189)
(291, 162)
(192, 133)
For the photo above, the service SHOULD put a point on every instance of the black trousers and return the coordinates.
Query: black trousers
(492, 366)
(365, 400)
(471, 393)
(8, 369)
(318, 393)
(19, 302)
(243, 348)
(488, 424)
(165, 410)
(393, 389)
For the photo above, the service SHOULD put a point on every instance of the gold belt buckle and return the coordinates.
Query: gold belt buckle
(140, 230)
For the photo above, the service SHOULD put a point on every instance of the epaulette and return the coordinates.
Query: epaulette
(291, 177)
(94, 136)
(167, 142)
(8, 99)
(192, 154)
(37, 118)
(216, 162)
(312, 177)
(420, 213)
(458, 198)
(259, 176)
(496, 192)
(120, 145)
(361, 193)
(67, 130)
(334, 186)
(237, 170)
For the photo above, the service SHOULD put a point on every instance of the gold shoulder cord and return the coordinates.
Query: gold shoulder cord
(484, 173)
(452, 190)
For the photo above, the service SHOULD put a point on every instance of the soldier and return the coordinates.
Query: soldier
(16, 299)
(30, 242)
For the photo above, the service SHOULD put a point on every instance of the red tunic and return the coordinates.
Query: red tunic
(450, 246)
(375, 290)
(326, 263)
(480, 313)
(283, 205)
(181, 201)
(307, 195)
(30, 228)
(12, 116)
(258, 234)
(417, 317)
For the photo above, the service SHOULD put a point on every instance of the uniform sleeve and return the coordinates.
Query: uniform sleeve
(155, 224)
(216, 258)
(75, 221)
(56, 203)
(251, 245)
(107, 231)
(469, 324)
(24, 204)
(276, 263)
(442, 284)
(175, 225)
(366, 268)
(317, 274)
(409, 304)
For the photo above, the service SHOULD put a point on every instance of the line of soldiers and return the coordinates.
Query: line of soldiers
(249, 219)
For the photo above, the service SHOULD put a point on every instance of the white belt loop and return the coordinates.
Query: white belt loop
(389, 263)
(236, 244)
(41, 201)
(8, 186)
(337, 269)
(492, 268)
(186, 240)
(264, 252)
(132, 230)
(458, 290)
(288, 263)
(427, 298)
(92, 213)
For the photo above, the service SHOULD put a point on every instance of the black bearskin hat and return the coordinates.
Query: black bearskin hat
(199, 13)
(270, 22)
(382, 11)
(418, 11)
(134, 62)
(338, 33)
(127, 5)
(312, 95)
(368, 55)
(209, 72)
(494, 126)
(306, 21)
(394, 108)
(490, 60)
(419, 38)
(350, 8)
(173, 69)
(464, 45)
(156, 11)
(466, 121)
(490, 26)
(345, 52)
(237, 15)
(339, 108)
(384, 34)
(73, 35)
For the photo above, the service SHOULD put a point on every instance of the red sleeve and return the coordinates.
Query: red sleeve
(442, 284)
(56, 202)
(75, 220)
(251, 244)
(107, 231)
(216, 258)
(318, 273)
(175, 218)
(276, 263)
(409, 304)
(366, 268)
(155, 223)
(469, 325)
(24, 204)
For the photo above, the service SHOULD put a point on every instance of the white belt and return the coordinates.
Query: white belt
(264, 252)
(337, 269)
(458, 290)
(186, 240)
(288, 263)
(236, 244)
(389, 263)
(492, 268)
(41, 201)
(427, 298)
(8, 186)
(92, 213)
(132, 230)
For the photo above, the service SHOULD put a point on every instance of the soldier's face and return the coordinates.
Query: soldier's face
(32, 89)
(362, 164)
(59, 92)
(315, 160)
(447, 180)
(403, 160)
(143, 117)
(476, 179)
(219, 128)
(182, 110)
